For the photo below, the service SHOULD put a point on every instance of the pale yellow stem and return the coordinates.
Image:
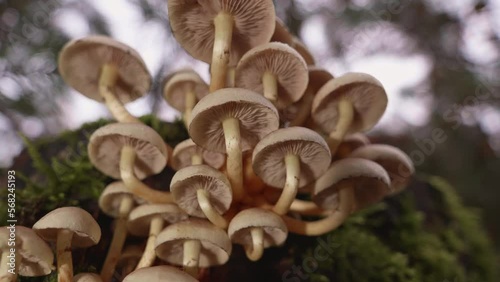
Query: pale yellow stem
(292, 163)
(346, 117)
(223, 24)
(134, 185)
(191, 258)
(307, 208)
(256, 250)
(234, 164)
(189, 105)
(270, 86)
(209, 210)
(64, 259)
(149, 255)
(196, 159)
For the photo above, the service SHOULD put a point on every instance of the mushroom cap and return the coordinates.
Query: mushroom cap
(140, 218)
(269, 155)
(258, 117)
(186, 149)
(215, 244)
(86, 231)
(303, 51)
(131, 252)
(192, 24)
(81, 60)
(36, 255)
(281, 33)
(87, 277)
(275, 230)
(106, 143)
(283, 62)
(397, 164)
(161, 273)
(112, 196)
(186, 182)
(351, 143)
(368, 179)
(366, 94)
(177, 86)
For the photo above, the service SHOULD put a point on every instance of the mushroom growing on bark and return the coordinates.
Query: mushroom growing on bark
(105, 70)
(219, 32)
(69, 227)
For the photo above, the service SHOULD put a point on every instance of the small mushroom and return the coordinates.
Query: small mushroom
(152, 218)
(219, 32)
(87, 277)
(193, 243)
(105, 70)
(188, 153)
(276, 70)
(182, 90)
(202, 191)
(129, 259)
(397, 164)
(116, 201)
(161, 273)
(231, 121)
(290, 158)
(130, 152)
(348, 104)
(349, 144)
(69, 227)
(257, 229)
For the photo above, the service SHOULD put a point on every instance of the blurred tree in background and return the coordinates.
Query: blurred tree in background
(458, 139)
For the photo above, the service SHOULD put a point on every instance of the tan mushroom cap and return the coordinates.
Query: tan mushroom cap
(81, 60)
(351, 143)
(161, 273)
(87, 277)
(216, 246)
(179, 84)
(186, 149)
(281, 33)
(258, 117)
(275, 230)
(140, 218)
(36, 255)
(368, 179)
(283, 62)
(187, 181)
(366, 94)
(270, 152)
(397, 164)
(112, 196)
(192, 23)
(131, 252)
(86, 231)
(106, 143)
(303, 51)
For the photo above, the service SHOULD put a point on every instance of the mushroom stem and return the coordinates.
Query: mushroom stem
(234, 164)
(292, 163)
(223, 23)
(255, 252)
(64, 259)
(107, 81)
(135, 186)
(209, 210)
(196, 159)
(149, 255)
(189, 105)
(270, 85)
(307, 208)
(304, 109)
(191, 258)
(327, 224)
(346, 117)
(119, 237)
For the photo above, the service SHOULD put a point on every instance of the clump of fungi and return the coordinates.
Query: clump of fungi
(269, 126)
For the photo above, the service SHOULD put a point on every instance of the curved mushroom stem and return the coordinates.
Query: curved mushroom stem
(196, 159)
(223, 23)
(346, 117)
(307, 208)
(64, 259)
(189, 105)
(7, 274)
(134, 185)
(119, 237)
(234, 164)
(255, 252)
(107, 81)
(149, 255)
(327, 224)
(209, 210)
(304, 111)
(191, 258)
(270, 85)
(292, 163)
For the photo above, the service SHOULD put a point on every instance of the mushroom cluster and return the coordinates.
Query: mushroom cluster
(269, 129)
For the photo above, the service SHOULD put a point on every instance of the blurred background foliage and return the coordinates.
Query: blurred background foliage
(457, 137)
